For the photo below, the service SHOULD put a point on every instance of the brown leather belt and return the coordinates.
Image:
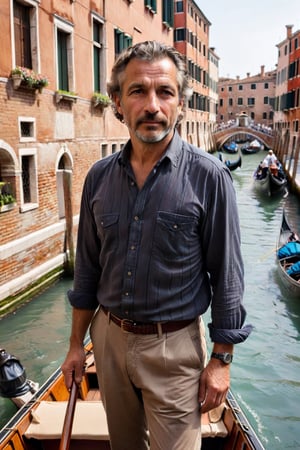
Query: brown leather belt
(130, 326)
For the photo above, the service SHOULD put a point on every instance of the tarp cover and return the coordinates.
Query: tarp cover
(289, 249)
(294, 270)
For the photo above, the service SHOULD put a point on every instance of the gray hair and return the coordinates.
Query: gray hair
(148, 51)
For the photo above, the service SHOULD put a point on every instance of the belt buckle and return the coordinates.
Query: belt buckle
(128, 322)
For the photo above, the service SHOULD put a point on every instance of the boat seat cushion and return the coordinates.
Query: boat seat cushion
(48, 419)
(90, 421)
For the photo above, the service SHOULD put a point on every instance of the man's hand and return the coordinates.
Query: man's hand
(74, 362)
(214, 384)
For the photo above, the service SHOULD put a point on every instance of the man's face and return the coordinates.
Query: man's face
(149, 100)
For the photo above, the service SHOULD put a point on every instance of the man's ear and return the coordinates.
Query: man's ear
(117, 102)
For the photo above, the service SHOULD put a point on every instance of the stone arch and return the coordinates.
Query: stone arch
(9, 168)
(64, 162)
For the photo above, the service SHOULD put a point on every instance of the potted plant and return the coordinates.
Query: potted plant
(102, 100)
(7, 200)
(16, 75)
(69, 96)
(22, 76)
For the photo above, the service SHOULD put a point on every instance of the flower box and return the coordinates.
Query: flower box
(8, 207)
(64, 95)
(27, 78)
(101, 100)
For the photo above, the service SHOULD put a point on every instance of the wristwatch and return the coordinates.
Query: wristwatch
(226, 358)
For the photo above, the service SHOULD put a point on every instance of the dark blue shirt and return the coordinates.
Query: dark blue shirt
(167, 251)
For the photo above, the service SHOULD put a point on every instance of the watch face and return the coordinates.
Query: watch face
(227, 358)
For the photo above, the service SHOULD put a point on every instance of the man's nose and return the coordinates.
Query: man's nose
(152, 105)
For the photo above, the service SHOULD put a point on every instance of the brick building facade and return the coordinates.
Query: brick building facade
(287, 102)
(253, 95)
(191, 38)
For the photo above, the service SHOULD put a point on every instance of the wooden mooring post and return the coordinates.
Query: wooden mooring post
(69, 247)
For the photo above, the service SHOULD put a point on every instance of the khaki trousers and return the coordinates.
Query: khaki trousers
(149, 385)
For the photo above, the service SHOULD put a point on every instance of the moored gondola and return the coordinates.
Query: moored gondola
(39, 423)
(232, 147)
(232, 165)
(288, 258)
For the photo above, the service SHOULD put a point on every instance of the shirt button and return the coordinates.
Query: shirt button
(129, 273)
(126, 293)
(136, 218)
(132, 247)
(175, 227)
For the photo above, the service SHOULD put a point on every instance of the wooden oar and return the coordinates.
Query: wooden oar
(68, 422)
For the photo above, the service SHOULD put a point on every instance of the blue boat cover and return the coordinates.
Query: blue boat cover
(294, 270)
(289, 249)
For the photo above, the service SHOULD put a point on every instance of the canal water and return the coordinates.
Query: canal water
(266, 368)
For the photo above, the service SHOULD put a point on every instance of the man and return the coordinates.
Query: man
(158, 243)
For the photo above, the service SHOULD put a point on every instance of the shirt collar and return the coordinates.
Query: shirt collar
(173, 151)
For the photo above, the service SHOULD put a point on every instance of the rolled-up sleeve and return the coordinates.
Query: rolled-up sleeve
(87, 267)
(222, 247)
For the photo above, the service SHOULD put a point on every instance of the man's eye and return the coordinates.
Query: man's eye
(136, 91)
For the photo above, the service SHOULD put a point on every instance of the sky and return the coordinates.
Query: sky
(245, 33)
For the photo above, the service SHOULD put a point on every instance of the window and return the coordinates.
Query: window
(28, 188)
(64, 55)
(221, 102)
(179, 34)
(253, 86)
(252, 115)
(266, 86)
(151, 5)
(251, 101)
(230, 102)
(25, 35)
(168, 12)
(104, 150)
(179, 7)
(229, 88)
(97, 53)
(266, 100)
(265, 116)
(26, 129)
(240, 87)
(122, 41)
(240, 101)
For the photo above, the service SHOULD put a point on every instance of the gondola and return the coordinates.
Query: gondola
(246, 150)
(253, 147)
(232, 147)
(232, 165)
(39, 423)
(270, 183)
(288, 258)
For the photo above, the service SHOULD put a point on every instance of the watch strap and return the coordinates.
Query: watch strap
(226, 358)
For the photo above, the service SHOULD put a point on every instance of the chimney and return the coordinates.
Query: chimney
(248, 74)
(262, 71)
(289, 30)
(237, 77)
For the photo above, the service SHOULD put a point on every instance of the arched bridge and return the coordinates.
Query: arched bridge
(223, 135)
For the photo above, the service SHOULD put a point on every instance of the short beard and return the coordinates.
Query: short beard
(153, 139)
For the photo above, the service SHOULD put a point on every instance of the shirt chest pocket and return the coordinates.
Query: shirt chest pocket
(108, 230)
(176, 236)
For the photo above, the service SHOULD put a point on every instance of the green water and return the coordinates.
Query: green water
(265, 372)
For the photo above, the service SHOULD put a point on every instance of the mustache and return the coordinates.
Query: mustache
(148, 117)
